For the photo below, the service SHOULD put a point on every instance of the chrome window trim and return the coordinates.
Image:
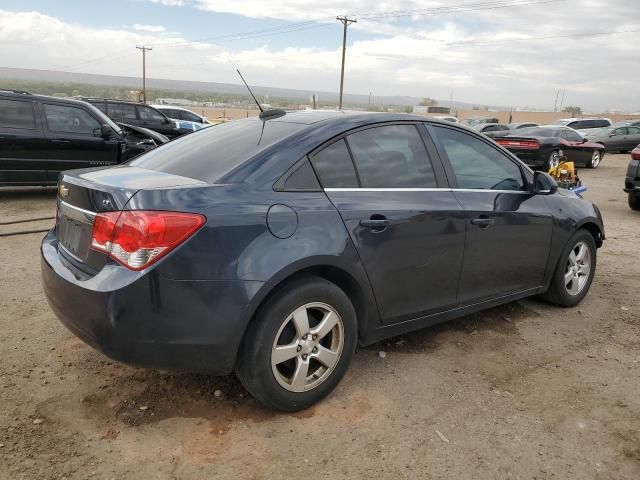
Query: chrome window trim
(478, 190)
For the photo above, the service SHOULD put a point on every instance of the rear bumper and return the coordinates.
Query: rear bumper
(150, 321)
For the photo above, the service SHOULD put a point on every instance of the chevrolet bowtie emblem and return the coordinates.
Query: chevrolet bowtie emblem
(63, 191)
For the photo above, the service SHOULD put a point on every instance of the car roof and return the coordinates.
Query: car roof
(26, 95)
(311, 117)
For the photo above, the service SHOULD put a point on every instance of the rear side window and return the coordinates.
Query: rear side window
(391, 156)
(210, 153)
(334, 166)
(603, 123)
(63, 118)
(114, 111)
(17, 114)
(478, 165)
(128, 112)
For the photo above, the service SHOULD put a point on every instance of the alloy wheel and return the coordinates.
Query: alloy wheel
(595, 159)
(307, 347)
(578, 268)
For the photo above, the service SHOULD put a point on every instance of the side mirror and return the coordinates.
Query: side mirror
(544, 184)
(106, 132)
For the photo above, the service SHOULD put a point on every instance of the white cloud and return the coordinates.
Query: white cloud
(149, 28)
(487, 58)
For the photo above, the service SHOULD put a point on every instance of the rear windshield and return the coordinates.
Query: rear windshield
(538, 132)
(209, 154)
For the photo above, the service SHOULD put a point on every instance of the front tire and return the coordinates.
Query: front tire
(634, 202)
(553, 161)
(574, 272)
(299, 345)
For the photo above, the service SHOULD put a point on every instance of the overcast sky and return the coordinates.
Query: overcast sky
(505, 52)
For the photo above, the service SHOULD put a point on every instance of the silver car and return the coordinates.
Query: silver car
(614, 139)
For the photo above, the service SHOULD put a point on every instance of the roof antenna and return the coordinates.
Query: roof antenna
(254, 97)
(264, 115)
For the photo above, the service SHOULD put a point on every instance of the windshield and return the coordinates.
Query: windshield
(210, 153)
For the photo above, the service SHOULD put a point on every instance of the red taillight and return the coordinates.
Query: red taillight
(138, 238)
(635, 153)
(525, 144)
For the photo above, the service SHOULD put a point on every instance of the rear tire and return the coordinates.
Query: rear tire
(574, 272)
(299, 345)
(634, 202)
(596, 158)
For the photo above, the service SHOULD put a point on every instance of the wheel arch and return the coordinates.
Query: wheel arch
(357, 289)
(594, 229)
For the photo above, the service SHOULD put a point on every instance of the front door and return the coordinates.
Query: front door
(508, 228)
(73, 135)
(408, 231)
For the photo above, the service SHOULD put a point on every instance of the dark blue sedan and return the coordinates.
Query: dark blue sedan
(274, 246)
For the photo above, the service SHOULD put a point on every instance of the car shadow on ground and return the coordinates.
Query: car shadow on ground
(26, 193)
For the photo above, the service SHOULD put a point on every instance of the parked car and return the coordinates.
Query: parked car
(614, 139)
(583, 123)
(471, 121)
(273, 246)
(632, 179)
(41, 136)
(491, 129)
(179, 113)
(543, 147)
(139, 115)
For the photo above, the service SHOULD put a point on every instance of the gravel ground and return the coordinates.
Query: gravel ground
(521, 391)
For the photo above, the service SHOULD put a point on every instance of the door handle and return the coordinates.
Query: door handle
(482, 222)
(377, 223)
(57, 140)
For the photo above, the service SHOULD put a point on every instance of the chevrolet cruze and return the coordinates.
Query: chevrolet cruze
(273, 247)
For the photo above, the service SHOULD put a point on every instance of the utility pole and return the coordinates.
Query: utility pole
(144, 71)
(345, 22)
(555, 106)
(562, 100)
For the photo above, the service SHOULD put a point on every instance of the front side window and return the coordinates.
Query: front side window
(334, 167)
(63, 118)
(150, 115)
(633, 130)
(190, 116)
(620, 131)
(391, 156)
(478, 165)
(16, 114)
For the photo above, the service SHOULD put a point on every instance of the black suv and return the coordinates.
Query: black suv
(139, 115)
(41, 136)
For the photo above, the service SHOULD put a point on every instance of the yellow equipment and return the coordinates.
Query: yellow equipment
(566, 174)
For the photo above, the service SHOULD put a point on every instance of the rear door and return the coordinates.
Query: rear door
(74, 139)
(407, 226)
(23, 147)
(508, 228)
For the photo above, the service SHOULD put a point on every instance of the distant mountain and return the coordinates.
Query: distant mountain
(229, 88)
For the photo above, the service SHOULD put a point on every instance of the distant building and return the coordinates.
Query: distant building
(175, 101)
(431, 109)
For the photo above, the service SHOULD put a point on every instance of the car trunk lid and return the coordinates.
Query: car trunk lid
(82, 194)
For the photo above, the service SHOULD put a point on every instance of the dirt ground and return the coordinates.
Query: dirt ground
(523, 391)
